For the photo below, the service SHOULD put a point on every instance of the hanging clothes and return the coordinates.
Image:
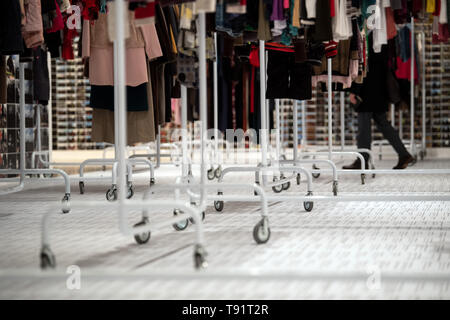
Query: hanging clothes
(11, 41)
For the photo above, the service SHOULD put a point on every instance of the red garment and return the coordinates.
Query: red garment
(58, 22)
(91, 9)
(437, 8)
(278, 47)
(146, 14)
(391, 30)
(332, 9)
(404, 70)
(67, 46)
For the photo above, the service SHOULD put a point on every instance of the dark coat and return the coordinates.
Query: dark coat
(373, 90)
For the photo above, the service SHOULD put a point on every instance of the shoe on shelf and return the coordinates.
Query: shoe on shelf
(404, 162)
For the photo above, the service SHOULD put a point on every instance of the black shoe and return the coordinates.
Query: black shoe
(404, 161)
(356, 165)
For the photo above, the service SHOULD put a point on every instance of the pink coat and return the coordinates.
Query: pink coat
(32, 30)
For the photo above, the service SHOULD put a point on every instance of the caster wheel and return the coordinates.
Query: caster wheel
(315, 175)
(152, 181)
(299, 178)
(47, 175)
(218, 172)
(335, 188)
(145, 236)
(363, 178)
(210, 174)
(277, 188)
(111, 194)
(373, 175)
(200, 258)
(286, 185)
(260, 234)
(218, 204)
(203, 218)
(47, 258)
(81, 185)
(130, 192)
(65, 203)
(308, 205)
(179, 226)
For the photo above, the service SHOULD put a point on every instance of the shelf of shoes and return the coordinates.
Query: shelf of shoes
(10, 119)
(72, 116)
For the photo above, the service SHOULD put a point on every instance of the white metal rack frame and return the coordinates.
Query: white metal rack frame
(141, 230)
(22, 171)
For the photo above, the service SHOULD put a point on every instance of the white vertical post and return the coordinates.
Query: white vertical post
(412, 146)
(158, 147)
(119, 83)
(22, 150)
(49, 111)
(216, 101)
(278, 128)
(184, 133)
(342, 114)
(393, 115)
(330, 109)
(203, 98)
(295, 128)
(304, 128)
(116, 105)
(263, 130)
(424, 112)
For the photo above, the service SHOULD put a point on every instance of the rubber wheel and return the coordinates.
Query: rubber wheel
(179, 226)
(363, 178)
(218, 205)
(65, 204)
(142, 237)
(277, 188)
(47, 259)
(315, 175)
(130, 193)
(218, 172)
(335, 188)
(286, 185)
(210, 174)
(259, 234)
(308, 205)
(81, 185)
(200, 258)
(299, 178)
(203, 218)
(111, 194)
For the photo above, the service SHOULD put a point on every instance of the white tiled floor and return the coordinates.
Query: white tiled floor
(335, 251)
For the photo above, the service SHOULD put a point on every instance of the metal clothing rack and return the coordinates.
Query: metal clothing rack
(22, 171)
(142, 229)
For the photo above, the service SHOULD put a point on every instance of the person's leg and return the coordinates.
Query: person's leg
(390, 134)
(363, 139)
(404, 157)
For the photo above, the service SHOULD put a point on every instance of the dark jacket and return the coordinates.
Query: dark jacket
(373, 90)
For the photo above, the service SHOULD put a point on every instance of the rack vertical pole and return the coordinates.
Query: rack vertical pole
(216, 100)
(304, 129)
(412, 142)
(295, 128)
(424, 112)
(203, 98)
(263, 130)
(342, 114)
(330, 110)
(184, 133)
(278, 128)
(22, 120)
(121, 105)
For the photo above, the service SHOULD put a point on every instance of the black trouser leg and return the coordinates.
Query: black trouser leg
(390, 134)
(364, 137)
